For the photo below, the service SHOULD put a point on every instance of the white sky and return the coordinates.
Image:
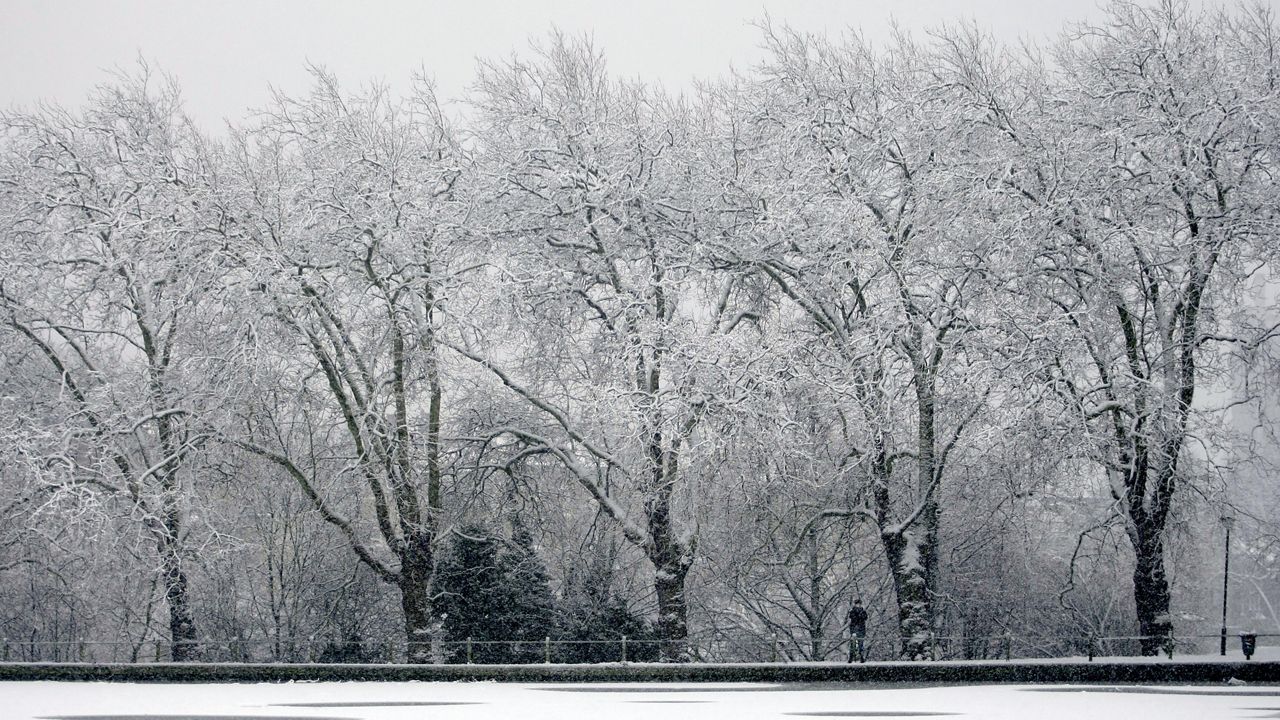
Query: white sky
(227, 53)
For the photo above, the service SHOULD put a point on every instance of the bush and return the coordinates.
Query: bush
(490, 596)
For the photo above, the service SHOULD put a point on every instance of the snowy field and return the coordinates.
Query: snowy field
(495, 701)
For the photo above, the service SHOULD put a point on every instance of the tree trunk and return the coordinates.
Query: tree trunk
(168, 532)
(915, 612)
(673, 629)
(928, 476)
(815, 597)
(182, 625)
(1151, 589)
(671, 561)
(415, 595)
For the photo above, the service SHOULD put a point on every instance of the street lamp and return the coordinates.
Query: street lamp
(1227, 521)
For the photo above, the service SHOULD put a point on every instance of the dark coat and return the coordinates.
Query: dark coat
(858, 620)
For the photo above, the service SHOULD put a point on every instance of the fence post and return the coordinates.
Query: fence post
(1093, 649)
(546, 649)
(1008, 646)
(773, 645)
(468, 649)
(624, 648)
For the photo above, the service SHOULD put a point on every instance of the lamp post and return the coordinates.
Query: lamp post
(1227, 521)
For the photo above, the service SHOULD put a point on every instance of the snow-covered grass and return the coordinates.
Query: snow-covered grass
(502, 701)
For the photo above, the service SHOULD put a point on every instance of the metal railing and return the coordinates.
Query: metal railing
(621, 649)
(321, 650)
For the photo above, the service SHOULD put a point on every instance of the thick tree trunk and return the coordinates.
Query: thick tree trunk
(928, 475)
(1149, 494)
(814, 614)
(183, 644)
(928, 523)
(415, 596)
(417, 527)
(910, 583)
(673, 629)
(671, 556)
(671, 561)
(1151, 590)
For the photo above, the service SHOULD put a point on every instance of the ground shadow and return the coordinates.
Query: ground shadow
(190, 717)
(867, 714)
(371, 703)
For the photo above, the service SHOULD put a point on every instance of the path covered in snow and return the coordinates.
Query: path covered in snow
(503, 701)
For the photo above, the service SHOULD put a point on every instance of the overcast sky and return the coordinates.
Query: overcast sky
(227, 53)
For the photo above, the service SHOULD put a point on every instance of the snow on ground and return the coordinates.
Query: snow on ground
(635, 701)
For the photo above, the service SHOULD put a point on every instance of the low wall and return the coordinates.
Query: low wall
(1100, 671)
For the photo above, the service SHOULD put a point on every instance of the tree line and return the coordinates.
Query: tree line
(963, 328)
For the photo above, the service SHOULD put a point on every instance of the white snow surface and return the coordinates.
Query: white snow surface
(667, 701)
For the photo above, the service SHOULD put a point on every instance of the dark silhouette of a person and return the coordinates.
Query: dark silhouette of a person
(857, 630)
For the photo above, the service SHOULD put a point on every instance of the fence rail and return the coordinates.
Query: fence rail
(620, 649)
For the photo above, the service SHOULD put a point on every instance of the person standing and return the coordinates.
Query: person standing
(857, 630)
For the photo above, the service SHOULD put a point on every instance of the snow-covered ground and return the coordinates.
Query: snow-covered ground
(502, 701)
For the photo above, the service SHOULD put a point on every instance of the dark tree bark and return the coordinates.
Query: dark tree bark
(671, 557)
(183, 642)
(357, 285)
(904, 551)
(813, 610)
(673, 610)
(416, 565)
(1151, 590)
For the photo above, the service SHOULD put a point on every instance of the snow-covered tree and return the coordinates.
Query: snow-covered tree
(1142, 173)
(112, 318)
(614, 334)
(345, 210)
(848, 187)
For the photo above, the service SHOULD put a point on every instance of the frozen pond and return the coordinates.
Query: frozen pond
(495, 701)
